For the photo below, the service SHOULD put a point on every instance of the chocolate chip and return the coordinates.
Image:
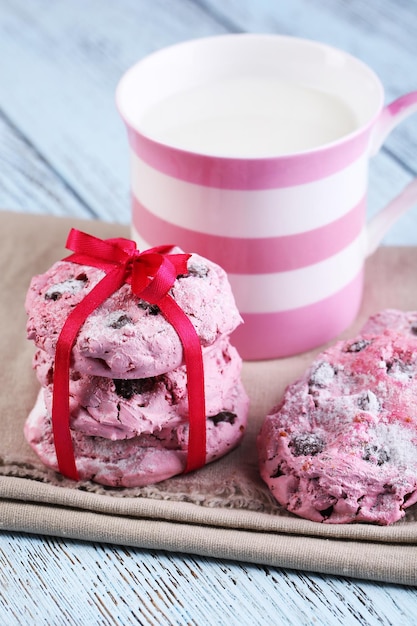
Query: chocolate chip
(376, 454)
(121, 321)
(357, 346)
(126, 388)
(53, 295)
(306, 444)
(70, 286)
(413, 328)
(369, 402)
(277, 472)
(322, 375)
(223, 416)
(82, 277)
(327, 512)
(196, 268)
(152, 309)
(400, 370)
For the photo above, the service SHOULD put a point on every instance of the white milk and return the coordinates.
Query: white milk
(249, 117)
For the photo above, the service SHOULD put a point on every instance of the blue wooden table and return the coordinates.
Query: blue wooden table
(63, 151)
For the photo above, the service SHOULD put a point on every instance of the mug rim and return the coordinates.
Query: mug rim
(354, 135)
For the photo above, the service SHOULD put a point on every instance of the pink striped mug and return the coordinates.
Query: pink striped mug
(253, 150)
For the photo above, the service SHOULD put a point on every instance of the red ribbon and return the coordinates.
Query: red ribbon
(151, 275)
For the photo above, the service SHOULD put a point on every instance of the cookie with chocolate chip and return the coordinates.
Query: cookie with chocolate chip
(130, 410)
(126, 337)
(404, 322)
(117, 408)
(145, 458)
(342, 445)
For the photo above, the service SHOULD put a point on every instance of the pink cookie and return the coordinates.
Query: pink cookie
(126, 337)
(146, 458)
(392, 319)
(121, 409)
(342, 445)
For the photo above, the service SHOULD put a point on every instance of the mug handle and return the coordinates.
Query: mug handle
(390, 117)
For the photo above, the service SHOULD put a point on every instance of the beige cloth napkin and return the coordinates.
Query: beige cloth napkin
(223, 510)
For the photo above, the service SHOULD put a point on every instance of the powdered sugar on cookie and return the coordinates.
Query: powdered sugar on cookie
(342, 444)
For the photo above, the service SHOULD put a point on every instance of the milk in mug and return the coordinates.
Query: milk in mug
(249, 116)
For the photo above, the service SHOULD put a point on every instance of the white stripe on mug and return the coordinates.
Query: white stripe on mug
(262, 293)
(282, 211)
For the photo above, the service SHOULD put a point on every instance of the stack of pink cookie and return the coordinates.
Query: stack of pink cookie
(128, 383)
(342, 445)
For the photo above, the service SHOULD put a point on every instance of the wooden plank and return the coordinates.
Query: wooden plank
(386, 179)
(64, 60)
(382, 34)
(54, 581)
(28, 183)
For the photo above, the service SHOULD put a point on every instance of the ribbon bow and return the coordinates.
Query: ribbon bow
(151, 275)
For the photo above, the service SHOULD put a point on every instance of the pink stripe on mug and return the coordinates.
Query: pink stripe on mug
(259, 255)
(299, 329)
(301, 116)
(230, 173)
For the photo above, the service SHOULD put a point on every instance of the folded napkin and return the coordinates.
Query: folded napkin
(223, 510)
